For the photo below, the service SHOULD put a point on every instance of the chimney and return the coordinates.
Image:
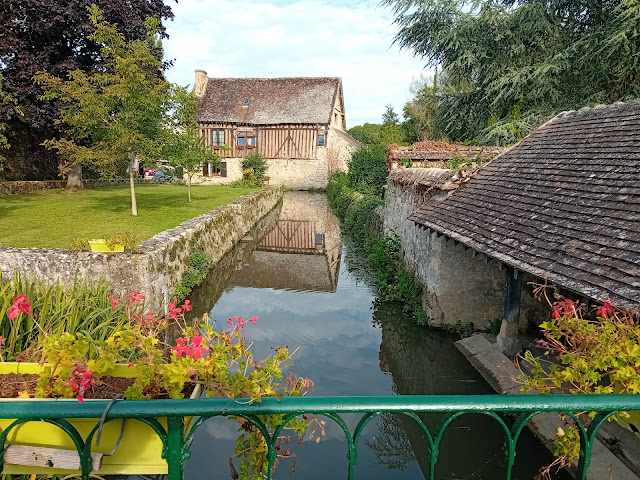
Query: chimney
(201, 83)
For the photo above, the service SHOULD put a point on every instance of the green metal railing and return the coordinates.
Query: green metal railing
(176, 443)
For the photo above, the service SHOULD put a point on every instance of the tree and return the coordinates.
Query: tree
(53, 36)
(376, 134)
(422, 111)
(114, 116)
(389, 117)
(4, 143)
(182, 146)
(514, 63)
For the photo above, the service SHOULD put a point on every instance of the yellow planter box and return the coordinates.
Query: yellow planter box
(139, 451)
(100, 245)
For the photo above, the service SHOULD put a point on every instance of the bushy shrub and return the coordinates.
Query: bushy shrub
(254, 168)
(368, 170)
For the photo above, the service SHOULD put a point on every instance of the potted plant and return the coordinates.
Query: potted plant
(117, 242)
(134, 362)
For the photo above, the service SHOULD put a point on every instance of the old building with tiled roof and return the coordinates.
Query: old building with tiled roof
(298, 124)
(434, 154)
(561, 206)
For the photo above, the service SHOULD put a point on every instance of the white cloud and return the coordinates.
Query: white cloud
(246, 38)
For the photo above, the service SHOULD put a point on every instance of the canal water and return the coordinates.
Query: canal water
(309, 287)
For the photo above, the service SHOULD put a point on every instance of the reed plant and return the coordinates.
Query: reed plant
(83, 307)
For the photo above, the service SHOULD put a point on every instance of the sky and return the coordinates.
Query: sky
(352, 39)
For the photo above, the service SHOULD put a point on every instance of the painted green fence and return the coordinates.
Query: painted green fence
(176, 443)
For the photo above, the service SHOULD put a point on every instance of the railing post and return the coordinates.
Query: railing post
(175, 443)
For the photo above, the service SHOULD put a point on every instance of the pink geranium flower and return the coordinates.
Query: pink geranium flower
(20, 304)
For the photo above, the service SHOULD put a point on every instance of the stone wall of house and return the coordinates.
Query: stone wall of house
(296, 173)
(157, 268)
(458, 287)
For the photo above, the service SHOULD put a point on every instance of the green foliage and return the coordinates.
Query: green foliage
(593, 354)
(199, 263)
(463, 330)
(181, 144)
(389, 117)
(511, 64)
(360, 215)
(7, 99)
(128, 240)
(254, 169)
(220, 360)
(421, 112)
(459, 161)
(82, 307)
(116, 112)
(383, 135)
(104, 212)
(368, 170)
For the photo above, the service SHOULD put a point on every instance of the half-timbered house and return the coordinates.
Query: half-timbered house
(298, 124)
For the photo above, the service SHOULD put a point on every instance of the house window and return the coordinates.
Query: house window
(217, 138)
(321, 139)
(246, 142)
(245, 103)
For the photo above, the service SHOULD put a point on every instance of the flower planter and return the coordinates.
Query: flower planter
(138, 453)
(100, 245)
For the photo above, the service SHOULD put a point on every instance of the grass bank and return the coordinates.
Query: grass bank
(51, 219)
(360, 215)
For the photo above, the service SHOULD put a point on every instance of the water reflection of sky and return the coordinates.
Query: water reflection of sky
(349, 346)
(338, 346)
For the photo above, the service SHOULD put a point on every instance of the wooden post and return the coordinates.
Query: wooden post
(508, 340)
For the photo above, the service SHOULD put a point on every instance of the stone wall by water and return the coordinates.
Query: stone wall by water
(158, 267)
(458, 287)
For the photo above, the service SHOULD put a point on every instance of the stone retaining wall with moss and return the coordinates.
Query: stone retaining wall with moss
(157, 268)
(19, 188)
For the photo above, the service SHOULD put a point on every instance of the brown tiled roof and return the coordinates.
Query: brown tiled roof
(564, 203)
(439, 151)
(272, 101)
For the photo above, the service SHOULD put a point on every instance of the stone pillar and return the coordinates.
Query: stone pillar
(508, 340)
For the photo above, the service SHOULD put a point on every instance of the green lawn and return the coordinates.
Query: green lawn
(51, 219)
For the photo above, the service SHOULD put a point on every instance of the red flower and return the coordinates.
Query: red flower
(556, 314)
(80, 398)
(114, 302)
(186, 307)
(135, 297)
(180, 348)
(20, 304)
(606, 310)
(253, 320)
(198, 350)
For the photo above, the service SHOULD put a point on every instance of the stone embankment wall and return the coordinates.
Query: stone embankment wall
(458, 286)
(19, 188)
(158, 267)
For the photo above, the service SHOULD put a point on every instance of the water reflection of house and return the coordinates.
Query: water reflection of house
(301, 253)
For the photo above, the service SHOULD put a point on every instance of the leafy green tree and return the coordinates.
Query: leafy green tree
(376, 134)
(422, 111)
(114, 116)
(514, 63)
(52, 36)
(182, 145)
(4, 143)
(390, 117)
(368, 170)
